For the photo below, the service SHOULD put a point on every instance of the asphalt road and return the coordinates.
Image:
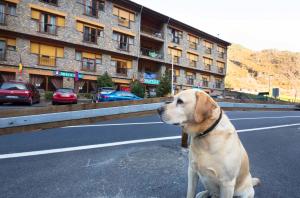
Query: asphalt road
(121, 163)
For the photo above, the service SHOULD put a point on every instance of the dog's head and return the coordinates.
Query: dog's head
(189, 106)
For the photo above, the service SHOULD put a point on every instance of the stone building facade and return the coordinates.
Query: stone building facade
(70, 43)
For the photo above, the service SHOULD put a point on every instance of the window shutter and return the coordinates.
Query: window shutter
(34, 48)
(35, 14)
(124, 14)
(79, 26)
(177, 72)
(47, 50)
(11, 42)
(115, 11)
(129, 64)
(132, 17)
(59, 52)
(60, 21)
(98, 56)
(88, 55)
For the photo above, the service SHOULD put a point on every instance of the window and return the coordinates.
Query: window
(90, 61)
(6, 44)
(53, 2)
(205, 81)
(124, 17)
(6, 9)
(121, 66)
(193, 42)
(193, 59)
(190, 76)
(221, 52)
(92, 7)
(47, 22)
(91, 32)
(175, 53)
(123, 41)
(176, 35)
(208, 47)
(218, 83)
(47, 54)
(176, 74)
(2, 49)
(221, 67)
(207, 63)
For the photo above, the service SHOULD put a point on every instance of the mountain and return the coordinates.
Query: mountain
(251, 71)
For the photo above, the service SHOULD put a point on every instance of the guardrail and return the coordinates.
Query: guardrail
(91, 113)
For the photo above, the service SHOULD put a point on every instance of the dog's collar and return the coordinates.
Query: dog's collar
(211, 127)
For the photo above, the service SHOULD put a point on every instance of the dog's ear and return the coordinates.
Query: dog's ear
(204, 106)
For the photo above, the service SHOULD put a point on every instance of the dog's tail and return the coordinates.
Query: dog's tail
(255, 181)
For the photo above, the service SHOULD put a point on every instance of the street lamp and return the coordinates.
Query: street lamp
(172, 76)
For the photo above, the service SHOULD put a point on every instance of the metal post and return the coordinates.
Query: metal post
(172, 80)
(184, 139)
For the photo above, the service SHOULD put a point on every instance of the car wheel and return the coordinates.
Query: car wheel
(75, 102)
(30, 101)
(1, 103)
(53, 103)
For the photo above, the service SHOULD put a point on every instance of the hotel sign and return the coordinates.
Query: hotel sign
(67, 74)
(151, 81)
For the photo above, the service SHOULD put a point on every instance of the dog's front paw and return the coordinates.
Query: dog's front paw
(203, 194)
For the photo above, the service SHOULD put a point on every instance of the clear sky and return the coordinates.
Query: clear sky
(256, 24)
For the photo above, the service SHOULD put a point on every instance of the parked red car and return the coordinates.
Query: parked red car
(64, 96)
(18, 92)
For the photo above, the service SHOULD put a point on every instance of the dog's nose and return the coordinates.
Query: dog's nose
(160, 110)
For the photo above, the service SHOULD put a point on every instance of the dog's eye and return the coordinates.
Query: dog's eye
(179, 101)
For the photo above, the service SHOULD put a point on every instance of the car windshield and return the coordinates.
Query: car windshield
(65, 90)
(13, 86)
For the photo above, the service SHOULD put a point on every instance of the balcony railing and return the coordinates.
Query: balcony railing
(91, 38)
(193, 45)
(88, 64)
(2, 18)
(218, 85)
(151, 53)
(207, 67)
(221, 70)
(190, 81)
(208, 50)
(122, 46)
(175, 79)
(221, 55)
(2, 55)
(205, 83)
(192, 63)
(176, 59)
(121, 71)
(48, 28)
(47, 60)
(152, 32)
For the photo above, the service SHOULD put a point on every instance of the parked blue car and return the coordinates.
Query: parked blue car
(117, 96)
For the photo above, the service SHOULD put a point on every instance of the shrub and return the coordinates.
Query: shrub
(164, 87)
(137, 88)
(48, 95)
(87, 95)
(105, 80)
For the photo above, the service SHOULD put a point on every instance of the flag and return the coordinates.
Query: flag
(20, 67)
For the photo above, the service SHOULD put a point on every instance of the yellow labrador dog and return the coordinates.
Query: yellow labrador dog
(216, 154)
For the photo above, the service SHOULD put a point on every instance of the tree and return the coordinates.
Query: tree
(137, 88)
(105, 80)
(164, 87)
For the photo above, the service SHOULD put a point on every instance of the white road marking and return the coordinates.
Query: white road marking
(79, 148)
(146, 123)
(258, 118)
(117, 124)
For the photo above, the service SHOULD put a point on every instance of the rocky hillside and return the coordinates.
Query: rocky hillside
(249, 70)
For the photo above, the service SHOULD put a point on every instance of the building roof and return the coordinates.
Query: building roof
(172, 21)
